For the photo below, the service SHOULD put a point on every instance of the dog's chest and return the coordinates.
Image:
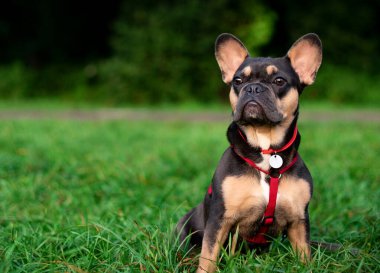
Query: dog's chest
(262, 180)
(246, 197)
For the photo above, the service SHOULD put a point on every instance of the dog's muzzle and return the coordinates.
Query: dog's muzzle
(257, 103)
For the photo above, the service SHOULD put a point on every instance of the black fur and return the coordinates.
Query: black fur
(259, 91)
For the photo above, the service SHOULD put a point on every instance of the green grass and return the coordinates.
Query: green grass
(105, 196)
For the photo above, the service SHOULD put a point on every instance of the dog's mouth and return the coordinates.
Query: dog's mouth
(252, 110)
(252, 106)
(257, 112)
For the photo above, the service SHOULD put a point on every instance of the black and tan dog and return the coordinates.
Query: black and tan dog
(261, 186)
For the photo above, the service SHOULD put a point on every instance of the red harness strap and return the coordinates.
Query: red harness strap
(268, 217)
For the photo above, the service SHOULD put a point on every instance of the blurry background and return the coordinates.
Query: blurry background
(81, 192)
(151, 52)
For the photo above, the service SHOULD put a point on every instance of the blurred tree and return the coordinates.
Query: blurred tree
(349, 29)
(155, 51)
(47, 32)
(167, 46)
(44, 43)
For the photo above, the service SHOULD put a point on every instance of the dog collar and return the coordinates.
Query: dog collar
(253, 164)
(274, 151)
(275, 161)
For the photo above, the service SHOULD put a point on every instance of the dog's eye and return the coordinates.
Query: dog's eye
(238, 81)
(279, 81)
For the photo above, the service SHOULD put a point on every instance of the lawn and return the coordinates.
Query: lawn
(87, 196)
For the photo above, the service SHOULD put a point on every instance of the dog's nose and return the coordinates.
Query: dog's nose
(255, 88)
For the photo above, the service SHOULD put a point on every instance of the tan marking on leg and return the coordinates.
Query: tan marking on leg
(294, 192)
(241, 194)
(244, 201)
(298, 238)
(293, 197)
(235, 240)
(271, 69)
(209, 254)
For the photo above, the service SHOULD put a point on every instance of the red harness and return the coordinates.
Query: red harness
(268, 218)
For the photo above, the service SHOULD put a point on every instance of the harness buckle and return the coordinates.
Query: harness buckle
(267, 220)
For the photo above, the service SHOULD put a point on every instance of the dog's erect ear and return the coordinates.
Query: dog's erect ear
(230, 54)
(306, 56)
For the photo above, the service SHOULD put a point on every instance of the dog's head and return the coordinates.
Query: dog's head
(265, 91)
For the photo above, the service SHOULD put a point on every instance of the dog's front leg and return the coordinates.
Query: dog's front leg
(215, 235)
(299, 237)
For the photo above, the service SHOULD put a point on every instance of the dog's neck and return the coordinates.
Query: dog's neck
(263, 137)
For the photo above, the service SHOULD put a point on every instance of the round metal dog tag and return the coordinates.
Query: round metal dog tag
(275, 161)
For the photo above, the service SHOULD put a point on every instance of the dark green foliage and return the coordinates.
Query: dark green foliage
(344, 86)
(164, 51)
(129, 52)
(45, 32)
(348, 29)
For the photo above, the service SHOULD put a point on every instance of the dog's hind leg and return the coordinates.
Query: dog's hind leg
(215, 235)
(191, 227)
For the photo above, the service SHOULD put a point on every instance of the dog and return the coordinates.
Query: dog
(261, 187)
